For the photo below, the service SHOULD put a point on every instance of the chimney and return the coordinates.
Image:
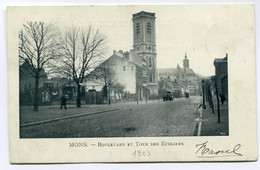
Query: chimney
(121, 51)
(126, 55)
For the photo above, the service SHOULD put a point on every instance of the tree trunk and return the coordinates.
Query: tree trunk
(79, 96)
(36, 94)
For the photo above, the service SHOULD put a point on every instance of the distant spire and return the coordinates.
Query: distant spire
(185, 55)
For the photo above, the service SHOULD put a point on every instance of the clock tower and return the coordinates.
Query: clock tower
(145, 48)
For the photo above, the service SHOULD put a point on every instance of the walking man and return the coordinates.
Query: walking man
(63, 102)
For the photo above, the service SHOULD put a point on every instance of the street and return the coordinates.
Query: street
(155, 118)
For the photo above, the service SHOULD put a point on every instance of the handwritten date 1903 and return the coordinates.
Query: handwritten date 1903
(138, 153)
(204, 151)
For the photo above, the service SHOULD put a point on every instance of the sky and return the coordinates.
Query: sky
(204, 32)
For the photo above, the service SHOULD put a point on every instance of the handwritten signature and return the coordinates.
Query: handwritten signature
(204, 151)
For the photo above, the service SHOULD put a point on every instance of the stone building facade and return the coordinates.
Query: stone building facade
(122, 68)
(145, 47)
(221, 74)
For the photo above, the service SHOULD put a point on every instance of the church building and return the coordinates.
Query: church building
(183, 77)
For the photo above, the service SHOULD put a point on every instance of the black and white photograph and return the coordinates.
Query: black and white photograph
(132, 83)
(123, 78)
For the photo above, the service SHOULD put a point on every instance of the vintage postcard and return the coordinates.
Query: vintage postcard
(159, 83)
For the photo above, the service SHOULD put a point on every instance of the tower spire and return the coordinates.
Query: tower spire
(185, 62)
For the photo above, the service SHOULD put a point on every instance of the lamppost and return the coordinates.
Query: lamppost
(146, 91)
(203, 95)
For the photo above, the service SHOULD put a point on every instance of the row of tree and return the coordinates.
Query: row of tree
(72, 53)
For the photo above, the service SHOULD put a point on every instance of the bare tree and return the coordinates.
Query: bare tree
(83, 50)
(105, 72)
(118, 87)
(38, 46)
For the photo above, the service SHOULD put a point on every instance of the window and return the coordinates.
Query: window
(150, 62)
(123, 68)
(47, 84)
(132, 68)
(148, 28)
(150, 78)
(137, 28)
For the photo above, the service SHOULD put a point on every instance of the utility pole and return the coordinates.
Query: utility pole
(217, 99)
(203, 95)
(211, 101)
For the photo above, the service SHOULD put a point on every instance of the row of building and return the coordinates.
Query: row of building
(121, 68)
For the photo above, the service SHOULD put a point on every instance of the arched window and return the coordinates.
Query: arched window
(150, 78)
(137, 29)
(150, 62)
(148, 28)
(123, 68)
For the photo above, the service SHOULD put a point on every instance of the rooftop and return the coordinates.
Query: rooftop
(143, 14)
(220, 60)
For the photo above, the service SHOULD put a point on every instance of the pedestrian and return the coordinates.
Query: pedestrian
(63, 102)
(222, 98)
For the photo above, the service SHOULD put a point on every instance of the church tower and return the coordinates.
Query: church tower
(186, 64)
(145, 47)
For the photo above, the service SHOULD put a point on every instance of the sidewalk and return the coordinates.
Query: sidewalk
(28, 116)
(83, 105)
(209, 123)
(53, 112)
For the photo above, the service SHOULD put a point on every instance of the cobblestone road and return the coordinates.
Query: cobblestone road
(173, 118)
